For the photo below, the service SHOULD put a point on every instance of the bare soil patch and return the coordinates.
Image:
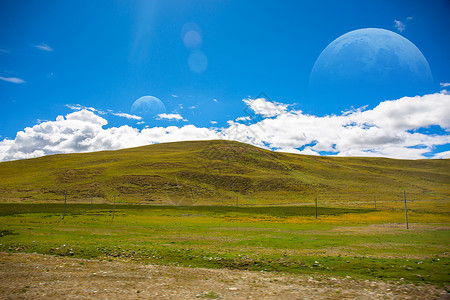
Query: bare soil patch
(35, 276)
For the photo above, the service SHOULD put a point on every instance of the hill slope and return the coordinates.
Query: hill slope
(219, 172)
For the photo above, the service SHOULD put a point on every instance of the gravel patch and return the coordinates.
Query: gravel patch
(36, 276)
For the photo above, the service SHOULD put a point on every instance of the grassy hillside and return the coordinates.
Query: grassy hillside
(220, 172)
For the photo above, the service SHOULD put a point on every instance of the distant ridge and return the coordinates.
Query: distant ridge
(220, 173)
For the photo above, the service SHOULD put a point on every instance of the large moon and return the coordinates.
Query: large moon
(148, 107)
(365, 67)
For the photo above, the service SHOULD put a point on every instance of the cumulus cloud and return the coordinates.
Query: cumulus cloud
(392, 129)
(82, 131)
(65, 135)
(445, 84)
(176, 117)
(12, 79)
(261, 106)
(44, 47)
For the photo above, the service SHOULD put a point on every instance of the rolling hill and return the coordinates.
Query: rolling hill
(219, 173)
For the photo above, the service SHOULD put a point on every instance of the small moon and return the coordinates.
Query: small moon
(365, 67)
(148, 107)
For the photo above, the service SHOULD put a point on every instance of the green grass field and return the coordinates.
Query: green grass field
(219, 204)
(360, 243)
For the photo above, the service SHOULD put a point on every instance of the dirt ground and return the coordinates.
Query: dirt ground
(35, 276)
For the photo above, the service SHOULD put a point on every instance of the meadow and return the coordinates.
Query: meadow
(360, 243)
(220, 204)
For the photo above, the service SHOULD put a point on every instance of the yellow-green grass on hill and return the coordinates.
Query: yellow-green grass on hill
(224, 173)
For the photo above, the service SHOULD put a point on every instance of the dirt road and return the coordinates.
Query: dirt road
(35, 276)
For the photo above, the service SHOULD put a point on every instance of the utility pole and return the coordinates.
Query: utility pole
(406, 210)
(65, 200)
(316, 206)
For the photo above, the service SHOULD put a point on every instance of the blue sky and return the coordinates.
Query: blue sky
(59, 57)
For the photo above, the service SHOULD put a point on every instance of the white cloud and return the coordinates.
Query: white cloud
(80, 107)
(215, 100)
(246, 118)
(128, 116)
(392, 129)
(117, 114)
(175, 96)
(289, 150)
(176, 117)
(261, 106)
(213, 122)
(442, 155)
(444, 86)
(44, 47)
(82, 131)
(399, 25)
(409, 113)
(12, 79)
